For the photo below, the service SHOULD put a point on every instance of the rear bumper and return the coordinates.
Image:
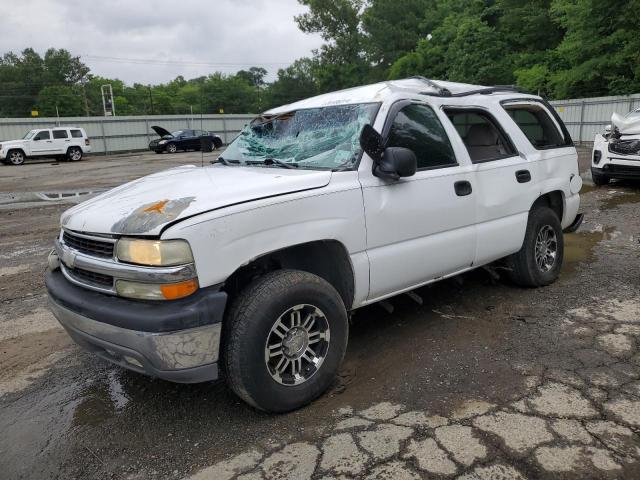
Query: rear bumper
(156, 348)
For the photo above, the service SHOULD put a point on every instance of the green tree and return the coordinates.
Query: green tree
(295, 82)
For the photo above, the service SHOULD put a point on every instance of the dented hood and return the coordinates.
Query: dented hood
(147, 205)
(626, 125)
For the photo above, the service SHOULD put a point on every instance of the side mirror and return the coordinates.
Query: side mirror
(371, 142)
(396, 162)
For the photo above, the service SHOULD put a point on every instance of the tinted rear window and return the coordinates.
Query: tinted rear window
(60, 134)
(76, 133)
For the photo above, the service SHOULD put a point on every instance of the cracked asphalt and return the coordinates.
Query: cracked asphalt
(483, 380)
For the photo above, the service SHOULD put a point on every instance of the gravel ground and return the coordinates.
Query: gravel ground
(482, 381)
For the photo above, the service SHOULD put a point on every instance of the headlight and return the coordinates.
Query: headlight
(156, 291)
(625, 147)
(162, 142)
(162, 253)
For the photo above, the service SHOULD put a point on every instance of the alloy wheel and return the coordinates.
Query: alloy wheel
(297, 344)
(546, 248)
(16, 158)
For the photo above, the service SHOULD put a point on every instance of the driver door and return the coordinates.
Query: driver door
(422, 227)
(41, 143)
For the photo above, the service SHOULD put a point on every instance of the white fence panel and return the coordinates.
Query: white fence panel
(122, 134)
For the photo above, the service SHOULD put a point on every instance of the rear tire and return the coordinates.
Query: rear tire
(15, 157)
(74, 154)
(285, 337)
(539, 260)
(599, 179)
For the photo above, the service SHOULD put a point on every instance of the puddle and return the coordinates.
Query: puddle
(616, 198)
(579, 247)
(101, 401)
(21, 197)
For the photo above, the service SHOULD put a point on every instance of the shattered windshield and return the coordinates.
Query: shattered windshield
(177, 133)
(325, 138)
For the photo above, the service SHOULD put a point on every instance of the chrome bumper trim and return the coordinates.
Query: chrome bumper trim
(156, 352)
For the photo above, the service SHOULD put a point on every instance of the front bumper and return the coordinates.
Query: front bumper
(177, 341)
(617, 170)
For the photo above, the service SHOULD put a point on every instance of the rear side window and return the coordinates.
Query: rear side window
(76, 133)
(537, 125)
(42, 135)
(484, 139)
(418, 128)
(60, 134)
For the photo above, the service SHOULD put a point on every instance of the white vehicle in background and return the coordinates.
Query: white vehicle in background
(70, 143)
(616, 152)
(317, 208)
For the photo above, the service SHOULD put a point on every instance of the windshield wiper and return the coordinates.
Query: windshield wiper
(274, 161)
(224, 161)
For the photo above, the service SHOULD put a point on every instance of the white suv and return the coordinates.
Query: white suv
(316, 209)
(64, 142)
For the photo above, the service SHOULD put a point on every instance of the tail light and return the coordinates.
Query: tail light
(87, 141)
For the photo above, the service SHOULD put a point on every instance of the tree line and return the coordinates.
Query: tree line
(557, 48)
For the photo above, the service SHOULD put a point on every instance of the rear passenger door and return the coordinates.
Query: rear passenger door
(61, 140)
(504, 181)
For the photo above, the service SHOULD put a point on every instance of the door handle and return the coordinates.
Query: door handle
(523, 176)
(67, 140)
(462, 188)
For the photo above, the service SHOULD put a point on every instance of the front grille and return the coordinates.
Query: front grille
(92, 278)
(89, 246)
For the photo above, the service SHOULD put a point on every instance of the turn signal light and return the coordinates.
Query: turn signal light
(173, 291)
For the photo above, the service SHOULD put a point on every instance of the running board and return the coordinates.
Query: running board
(575, 225)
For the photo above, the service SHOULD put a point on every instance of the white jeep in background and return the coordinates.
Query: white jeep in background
(70, 143)
(251, 266)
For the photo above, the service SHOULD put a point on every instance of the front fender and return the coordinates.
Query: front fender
(222, 243)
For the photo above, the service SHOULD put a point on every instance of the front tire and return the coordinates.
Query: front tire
(171, 148)
(599, 179)
(285, 337)
(15, 157)
(74, 154)
(539, 260)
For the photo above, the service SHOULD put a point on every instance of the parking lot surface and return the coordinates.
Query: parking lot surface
(483, 380)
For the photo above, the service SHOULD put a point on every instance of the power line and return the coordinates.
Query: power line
(151, 61)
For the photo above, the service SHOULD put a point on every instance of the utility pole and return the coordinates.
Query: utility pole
(86, 102)
(107, 100)
(150, 98)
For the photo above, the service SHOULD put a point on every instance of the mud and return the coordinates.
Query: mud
(483, 380)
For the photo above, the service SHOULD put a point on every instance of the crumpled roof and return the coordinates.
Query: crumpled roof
(375, 92)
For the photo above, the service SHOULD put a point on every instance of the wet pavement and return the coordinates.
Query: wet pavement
(484, 380)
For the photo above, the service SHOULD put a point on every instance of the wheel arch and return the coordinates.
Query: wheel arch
(553, 200)
(329, 259)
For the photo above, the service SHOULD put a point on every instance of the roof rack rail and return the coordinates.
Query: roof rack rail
(489, 90)
(442, 92)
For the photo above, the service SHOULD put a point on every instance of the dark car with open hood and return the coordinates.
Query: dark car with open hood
(186, 139)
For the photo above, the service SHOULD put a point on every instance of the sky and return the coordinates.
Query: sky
(165, 38)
